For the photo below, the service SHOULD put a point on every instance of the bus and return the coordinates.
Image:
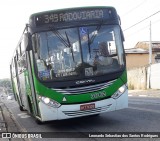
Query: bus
(70, 63)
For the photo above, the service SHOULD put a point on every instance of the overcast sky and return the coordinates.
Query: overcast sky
(14, 14)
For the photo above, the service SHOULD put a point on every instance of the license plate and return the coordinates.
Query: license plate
(87, 106)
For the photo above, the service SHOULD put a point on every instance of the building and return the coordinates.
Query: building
(139, 55)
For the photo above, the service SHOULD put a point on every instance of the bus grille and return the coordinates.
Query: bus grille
(87, 112)
(85, 89)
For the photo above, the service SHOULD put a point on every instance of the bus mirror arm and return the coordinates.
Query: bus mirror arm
(122, 35)
(27, 41)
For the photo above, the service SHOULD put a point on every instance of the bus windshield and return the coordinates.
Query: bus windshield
(80, 52)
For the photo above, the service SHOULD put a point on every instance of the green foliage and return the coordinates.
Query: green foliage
(5, 83)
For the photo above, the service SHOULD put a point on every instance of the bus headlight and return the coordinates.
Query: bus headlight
(46, 100)
(49, 102)
(120, 91)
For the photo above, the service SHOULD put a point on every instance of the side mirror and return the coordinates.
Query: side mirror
(27, 41)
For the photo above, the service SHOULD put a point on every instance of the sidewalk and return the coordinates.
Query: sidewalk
(144, 93)
(2, 120)
(8, 123)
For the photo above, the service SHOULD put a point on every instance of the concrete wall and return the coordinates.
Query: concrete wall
(138, 60)
(137, 78)
(154, 76)
(144, 77)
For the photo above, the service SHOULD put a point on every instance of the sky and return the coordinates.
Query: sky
(14, 14)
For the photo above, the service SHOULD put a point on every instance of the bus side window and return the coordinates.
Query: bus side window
(13, 68)
(21, 57)
(17, 58)
(19, 67)
(19, 51)
(22, 46)
(23, 62)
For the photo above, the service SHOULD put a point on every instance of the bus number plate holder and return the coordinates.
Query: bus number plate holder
(87, 107)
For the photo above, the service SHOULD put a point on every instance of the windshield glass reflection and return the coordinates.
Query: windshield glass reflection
(78, 52)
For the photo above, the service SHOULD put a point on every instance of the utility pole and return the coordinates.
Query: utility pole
(150, 56)
(150, 45)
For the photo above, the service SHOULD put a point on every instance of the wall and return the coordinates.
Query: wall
(144, 77)
(154, 76)
(138, 60)
(137, 78)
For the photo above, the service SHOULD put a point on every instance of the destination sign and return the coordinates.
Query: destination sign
(73, 15)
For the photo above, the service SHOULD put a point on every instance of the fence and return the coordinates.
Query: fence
(153, 76)
(137, 78)
(144, 77)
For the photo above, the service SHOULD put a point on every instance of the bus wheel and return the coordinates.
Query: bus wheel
(95, 115)
(21, 108)
(30, 111)
(39, 122)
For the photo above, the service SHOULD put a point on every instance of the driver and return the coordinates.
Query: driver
(103, 58)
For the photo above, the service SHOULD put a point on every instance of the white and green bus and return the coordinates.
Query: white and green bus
(70, 63)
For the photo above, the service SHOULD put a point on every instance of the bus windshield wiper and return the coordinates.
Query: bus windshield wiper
(90, 40)
(65, 41)
(60, 37)
(69, 43)
(95, 34)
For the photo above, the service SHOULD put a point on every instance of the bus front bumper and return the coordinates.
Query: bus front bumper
(78, 110)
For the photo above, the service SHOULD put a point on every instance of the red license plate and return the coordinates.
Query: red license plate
(87, 106)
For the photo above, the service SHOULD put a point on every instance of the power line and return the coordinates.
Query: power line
(130, 35)
(134, 8)
(142, 20)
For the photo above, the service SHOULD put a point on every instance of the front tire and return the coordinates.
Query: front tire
(21, 108)
(39, 122)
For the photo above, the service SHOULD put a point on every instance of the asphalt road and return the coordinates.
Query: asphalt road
(142, 115)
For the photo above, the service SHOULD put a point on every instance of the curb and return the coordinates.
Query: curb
(11, 124)
(144, 93)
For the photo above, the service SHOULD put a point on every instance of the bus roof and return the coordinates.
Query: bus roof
(73, 15)
(66, 9)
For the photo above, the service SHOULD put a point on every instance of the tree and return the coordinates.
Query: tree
(5, 84)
